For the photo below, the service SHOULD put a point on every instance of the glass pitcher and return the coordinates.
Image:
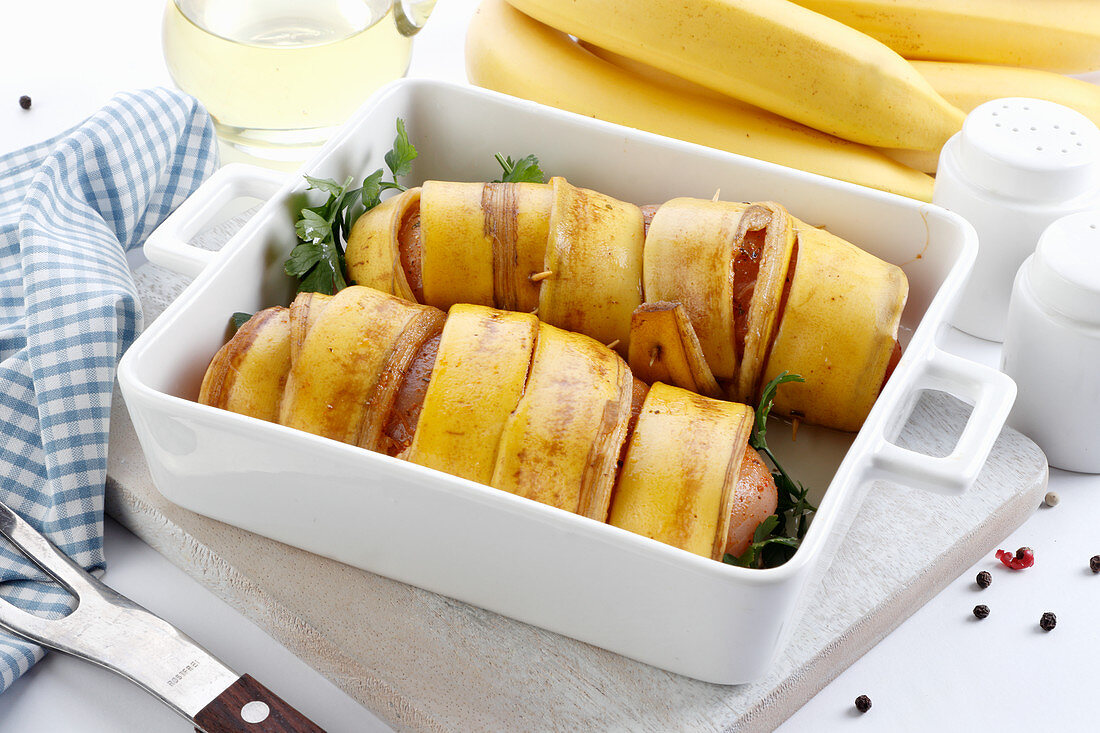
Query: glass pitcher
(278, 76)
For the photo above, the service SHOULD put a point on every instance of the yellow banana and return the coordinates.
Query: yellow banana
(968, 85)
(1057, 35)
(772, 54)
(508, 52)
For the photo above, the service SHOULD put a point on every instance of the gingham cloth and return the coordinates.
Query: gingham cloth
(70, 209)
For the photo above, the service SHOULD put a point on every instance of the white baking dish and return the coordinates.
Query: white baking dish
(532, 562)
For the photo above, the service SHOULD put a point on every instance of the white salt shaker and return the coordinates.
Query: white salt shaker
(1052, 344)
(1017, 165)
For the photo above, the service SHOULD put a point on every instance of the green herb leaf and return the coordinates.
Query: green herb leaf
(778, 536)
(303, 258)
(399, 160)
(327, 276)
(371, 192)
(318, 261)
(760, 424)
(524, 170)
(765, 528)
(327, 185)
(313, 227)
(239, 319)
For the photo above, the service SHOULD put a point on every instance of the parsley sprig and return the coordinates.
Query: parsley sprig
(772, 543)
(524, 170)
(318, 260)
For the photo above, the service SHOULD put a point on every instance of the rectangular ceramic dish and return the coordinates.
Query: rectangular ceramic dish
(532, 562)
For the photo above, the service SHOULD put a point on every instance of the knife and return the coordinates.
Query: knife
(110, 630)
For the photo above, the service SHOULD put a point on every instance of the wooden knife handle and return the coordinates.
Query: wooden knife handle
(249, 707)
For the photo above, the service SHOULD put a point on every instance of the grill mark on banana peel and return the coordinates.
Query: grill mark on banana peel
(380, 400)
(500, 209)
(405, 413)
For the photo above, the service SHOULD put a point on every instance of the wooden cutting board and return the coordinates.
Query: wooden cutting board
(425, 662)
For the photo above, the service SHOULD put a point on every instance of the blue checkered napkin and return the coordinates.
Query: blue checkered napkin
(70, 208)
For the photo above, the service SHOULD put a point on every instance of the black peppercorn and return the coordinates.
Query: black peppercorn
(1048, 621)
(984, 579)
(981, 611)
(863, 703)
(25, 102)
(1094, 563)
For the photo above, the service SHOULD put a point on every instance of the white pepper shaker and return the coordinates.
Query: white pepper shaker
(1052, 344)
(1017, 165)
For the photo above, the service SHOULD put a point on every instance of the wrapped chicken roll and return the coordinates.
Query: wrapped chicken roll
(500, 398)
(763, 292)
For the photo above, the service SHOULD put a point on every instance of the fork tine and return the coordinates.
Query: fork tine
(21, 623)
(44, 553)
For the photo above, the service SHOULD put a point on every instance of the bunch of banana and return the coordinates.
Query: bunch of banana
(737, 75)
(509, 52)
(772, 54)
(499, 398)
(712, 296)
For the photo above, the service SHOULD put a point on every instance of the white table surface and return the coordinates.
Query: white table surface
(940, 670)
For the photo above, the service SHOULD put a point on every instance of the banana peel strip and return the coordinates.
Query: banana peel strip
(594, 255)
(349, 366)
(479, 377)
(373, 253)
(561, 444)
(682, 462)
(838, 330)
(457, 251)
(517, 218)
(664, 348)
(689, 255)
(248, 374)
(774, 261)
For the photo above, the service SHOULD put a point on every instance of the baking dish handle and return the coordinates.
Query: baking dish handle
(168, 245)
(989, 391)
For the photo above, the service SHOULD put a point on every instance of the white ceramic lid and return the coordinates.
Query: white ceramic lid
(1030, 149)
(1065, 271)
